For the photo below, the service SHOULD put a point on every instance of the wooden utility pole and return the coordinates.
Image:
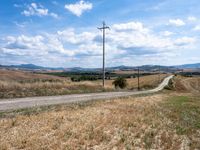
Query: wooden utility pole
(159, 74)
(103, 29)
(138, 78)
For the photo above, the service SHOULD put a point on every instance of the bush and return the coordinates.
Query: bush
(170, 86)
(120, 83)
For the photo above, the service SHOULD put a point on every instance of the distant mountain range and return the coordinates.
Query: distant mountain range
(29, 67)
(144, 67)
(35, 67)
(189, 66)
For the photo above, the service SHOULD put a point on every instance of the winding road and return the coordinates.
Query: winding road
(19, 103)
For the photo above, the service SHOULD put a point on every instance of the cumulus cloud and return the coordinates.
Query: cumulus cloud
(24, 42)
(192, 18)
(138, 51)
(185, 41)
(54, 15)
(137, 36)
(79, 8)
(35, 45)
(196, 28)
(137, 26)
(176, 22)
(124, 41)
(167, 33)
(38, 10)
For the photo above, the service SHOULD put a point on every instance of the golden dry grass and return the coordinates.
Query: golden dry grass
(27, 84)
(129, 123)
(146, 82)
(11, 89)
(159, 121)
(14, 75)
(187, 84)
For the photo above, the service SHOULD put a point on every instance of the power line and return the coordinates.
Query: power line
(103, 29)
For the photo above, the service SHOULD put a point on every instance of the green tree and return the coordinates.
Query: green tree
(120, 83)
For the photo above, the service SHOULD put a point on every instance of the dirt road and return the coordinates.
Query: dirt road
(19, 103)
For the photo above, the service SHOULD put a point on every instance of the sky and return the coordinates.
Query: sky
(63, 33)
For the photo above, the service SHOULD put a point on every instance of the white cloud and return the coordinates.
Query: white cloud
(54, 15)
(25, 42)
(20, 25)
(125, 41)
(176, 22)
(33, 9)
(192, 18)
(35, 45)
(70, 36)
(196, 28)
(56, 46)
(38, 10)
(167, 33)
(17, 5)
(137, 26)
(185, 41)
(139, 36)
(79, 7)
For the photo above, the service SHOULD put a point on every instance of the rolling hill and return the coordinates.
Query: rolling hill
(79, 69)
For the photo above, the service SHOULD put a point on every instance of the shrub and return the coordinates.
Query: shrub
(120, 83)
(170, 86)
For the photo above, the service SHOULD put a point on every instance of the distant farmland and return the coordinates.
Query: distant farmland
(91, 76)
(28, 84)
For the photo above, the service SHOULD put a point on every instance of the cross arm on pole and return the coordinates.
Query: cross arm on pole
(103, 30)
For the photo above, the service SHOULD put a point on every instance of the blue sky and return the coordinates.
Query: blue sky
(64, 33)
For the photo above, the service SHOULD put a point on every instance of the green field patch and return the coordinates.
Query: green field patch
(184, 111)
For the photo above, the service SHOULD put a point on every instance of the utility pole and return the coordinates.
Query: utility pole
(138, 78)
(159, 74)
(103, 29)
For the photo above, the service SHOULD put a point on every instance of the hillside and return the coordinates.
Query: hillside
(149, 68)
(14, 75)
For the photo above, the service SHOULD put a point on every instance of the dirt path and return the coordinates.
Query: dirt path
(19, 103)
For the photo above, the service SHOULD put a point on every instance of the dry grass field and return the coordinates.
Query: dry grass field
(23, 84)
(27, 84)
(162, 121)
(185, 84)
(169, 120)
(14, 75)
(146, 82)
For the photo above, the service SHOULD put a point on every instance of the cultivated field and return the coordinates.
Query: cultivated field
(27, 84)
(169, 120)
